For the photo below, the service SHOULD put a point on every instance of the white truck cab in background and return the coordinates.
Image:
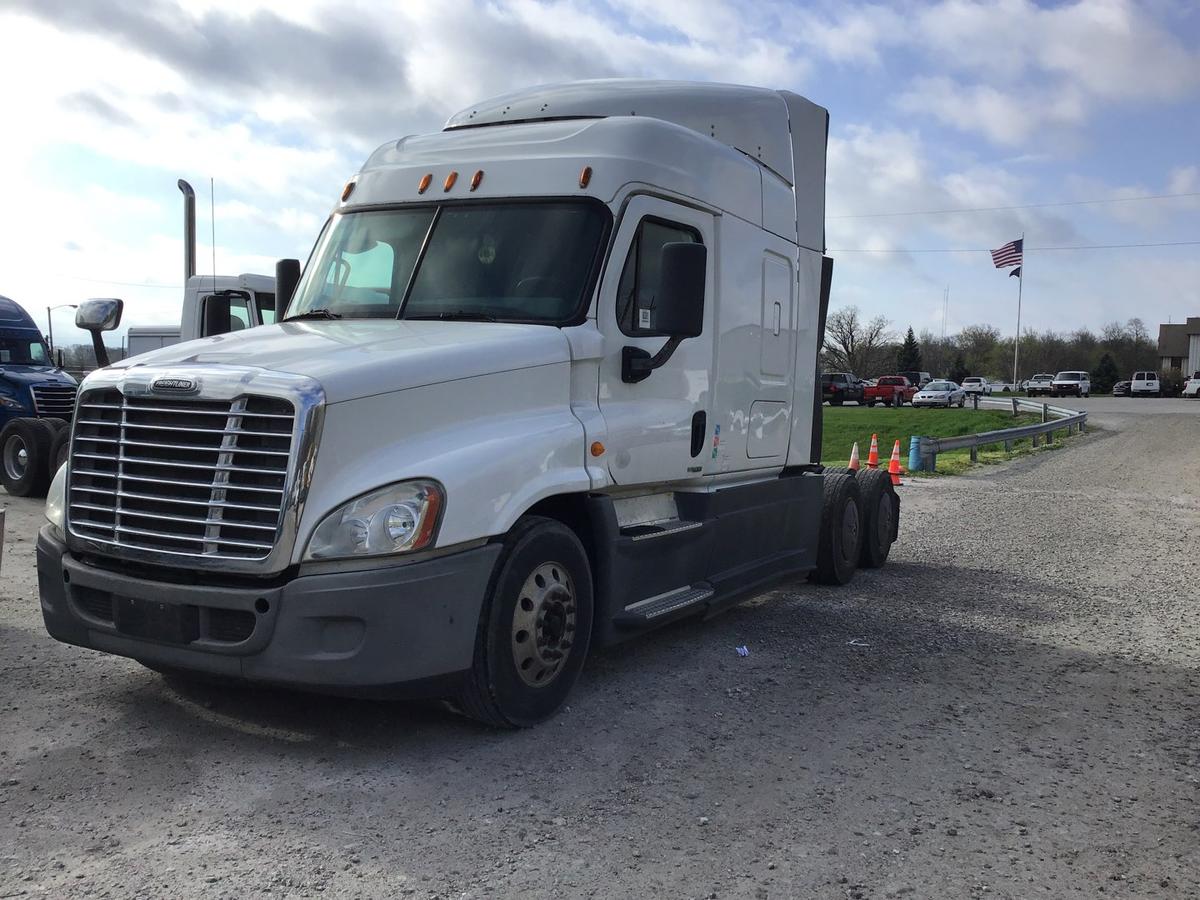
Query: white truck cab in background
(548, 381)
(212, 304)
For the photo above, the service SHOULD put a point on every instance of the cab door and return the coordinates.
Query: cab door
(659, 429)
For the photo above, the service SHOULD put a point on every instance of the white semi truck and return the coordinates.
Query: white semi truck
(548, 382)
(212, 304)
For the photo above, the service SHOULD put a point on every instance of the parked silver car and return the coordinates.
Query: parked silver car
(940, 393)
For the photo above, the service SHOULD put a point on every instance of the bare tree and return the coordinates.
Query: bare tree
(854, 345)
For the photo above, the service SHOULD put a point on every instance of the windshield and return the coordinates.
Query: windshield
(516, 262)
(23, 352)
(939, 386)
(1067, 376)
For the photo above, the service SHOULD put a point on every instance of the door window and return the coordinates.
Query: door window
(640, 277)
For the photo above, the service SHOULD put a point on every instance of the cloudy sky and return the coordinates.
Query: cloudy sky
(1024, 112)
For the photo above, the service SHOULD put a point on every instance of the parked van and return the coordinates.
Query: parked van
(549, 381)
(1071, 384)
(1145, 384)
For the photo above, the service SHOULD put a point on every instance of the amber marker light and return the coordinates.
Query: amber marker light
(476, 179)
(597, 448)
(449, 182)
(423, 184)
(348, 190)
(585, 176)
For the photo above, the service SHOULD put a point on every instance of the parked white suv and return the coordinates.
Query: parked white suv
(1071, 384)
(1145, 384)
(976, 385)
(1191, 387)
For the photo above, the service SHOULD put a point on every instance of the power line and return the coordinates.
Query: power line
(1027, 249)
(142, 284)
(973, 209)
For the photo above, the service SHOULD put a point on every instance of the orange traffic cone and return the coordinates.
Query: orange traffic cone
(854, 464)
(873, 455)
(894, 465)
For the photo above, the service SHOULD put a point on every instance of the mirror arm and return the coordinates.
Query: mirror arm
(637, 364)
(101, 351)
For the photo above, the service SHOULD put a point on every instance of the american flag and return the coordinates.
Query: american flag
(1009, 254)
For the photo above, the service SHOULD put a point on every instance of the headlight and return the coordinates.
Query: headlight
(399, 518)
(9, 402)
(56, 502)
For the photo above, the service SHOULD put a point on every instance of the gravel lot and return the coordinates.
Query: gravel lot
(1009, 709)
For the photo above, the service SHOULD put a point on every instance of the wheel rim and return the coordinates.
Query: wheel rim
(850, 530)
(543, 628)
(16, 458)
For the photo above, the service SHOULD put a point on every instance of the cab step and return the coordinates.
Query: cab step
(661, 607)
(648, 532)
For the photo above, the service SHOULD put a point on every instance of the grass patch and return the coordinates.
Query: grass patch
(846, 424)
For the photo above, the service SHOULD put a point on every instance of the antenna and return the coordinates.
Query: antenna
(212, 215)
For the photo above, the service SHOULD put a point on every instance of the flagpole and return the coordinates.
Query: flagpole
(1020, 285)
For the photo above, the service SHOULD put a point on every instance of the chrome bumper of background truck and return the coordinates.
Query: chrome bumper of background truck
(362, 631)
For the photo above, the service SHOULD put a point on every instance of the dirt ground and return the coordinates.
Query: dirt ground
(1011, 708)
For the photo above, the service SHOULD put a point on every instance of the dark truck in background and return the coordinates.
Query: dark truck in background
(842, 387)
(37, 399)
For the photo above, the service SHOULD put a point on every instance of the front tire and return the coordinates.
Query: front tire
(535, 627)
(24, 457)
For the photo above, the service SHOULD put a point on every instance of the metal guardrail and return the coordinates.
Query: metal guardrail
(1054, 418)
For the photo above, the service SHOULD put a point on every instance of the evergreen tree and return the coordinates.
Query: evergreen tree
(1107, 374)
(909, 357)
(959, 371)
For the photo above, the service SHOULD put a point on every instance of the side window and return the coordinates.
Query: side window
(239, 313)
(639, 278)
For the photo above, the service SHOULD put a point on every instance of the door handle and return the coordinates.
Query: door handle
(778, 316)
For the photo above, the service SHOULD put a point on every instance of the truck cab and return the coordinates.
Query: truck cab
(548, 381)
(30, 383)
(211, 306)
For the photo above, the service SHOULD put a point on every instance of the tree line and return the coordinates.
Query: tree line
(870, 348)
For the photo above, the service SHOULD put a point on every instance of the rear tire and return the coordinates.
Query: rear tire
(534, 629)
(881, 517)
(840, 541)
(24, 457)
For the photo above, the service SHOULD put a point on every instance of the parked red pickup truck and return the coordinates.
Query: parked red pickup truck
(890, 390)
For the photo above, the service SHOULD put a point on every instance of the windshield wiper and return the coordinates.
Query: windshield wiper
(321, 313)
(460, 315)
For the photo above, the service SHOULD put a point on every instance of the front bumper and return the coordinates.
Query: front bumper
(373, 631)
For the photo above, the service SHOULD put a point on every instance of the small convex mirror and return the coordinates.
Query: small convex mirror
(100, 314)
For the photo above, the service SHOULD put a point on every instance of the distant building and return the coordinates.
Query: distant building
(1179, 346)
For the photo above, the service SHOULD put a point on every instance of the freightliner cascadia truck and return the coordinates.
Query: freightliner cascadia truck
(548, 381)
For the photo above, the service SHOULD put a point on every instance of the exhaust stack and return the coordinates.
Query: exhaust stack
(189, 230)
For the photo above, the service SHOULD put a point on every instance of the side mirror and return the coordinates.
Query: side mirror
(676, 312)
(58, 355)
(97, 316)
(677, 307)
(101, 314)
(287, 276)
(216, 315)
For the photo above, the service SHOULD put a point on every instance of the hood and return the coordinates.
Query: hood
(30, 375)
(361, 357)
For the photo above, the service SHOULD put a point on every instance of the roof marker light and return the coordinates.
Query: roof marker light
(585, 176)
(423, 185)
(449, 182)
(348, 190)
(476, 178)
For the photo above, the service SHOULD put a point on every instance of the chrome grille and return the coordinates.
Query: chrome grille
(54, 400)
(193, 477)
